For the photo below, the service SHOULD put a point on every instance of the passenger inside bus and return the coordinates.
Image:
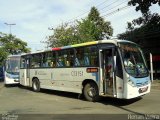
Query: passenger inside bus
(128, 60)
(60, 62)
(86, 59)
(109, 67)
(79, 58)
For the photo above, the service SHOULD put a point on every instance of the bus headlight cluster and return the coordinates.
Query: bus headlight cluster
(12, 76)
(8, 75)
(130, 82)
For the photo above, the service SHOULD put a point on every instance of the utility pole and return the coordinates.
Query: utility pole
(46, 42)
(10, 25)
(10, 35)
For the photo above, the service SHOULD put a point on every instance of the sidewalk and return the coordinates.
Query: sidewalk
(155, 84)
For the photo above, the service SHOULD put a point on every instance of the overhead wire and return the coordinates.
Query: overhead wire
(117, 10)
(74, 19)
(115, 6)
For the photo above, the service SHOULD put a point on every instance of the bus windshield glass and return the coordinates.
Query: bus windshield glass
(12, 65)
(133, 60)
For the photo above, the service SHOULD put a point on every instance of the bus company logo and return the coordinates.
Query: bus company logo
(9, 117)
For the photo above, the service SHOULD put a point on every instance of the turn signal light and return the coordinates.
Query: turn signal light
(91, 70)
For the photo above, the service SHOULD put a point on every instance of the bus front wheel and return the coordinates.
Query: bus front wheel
(36, 85)
(91, 92)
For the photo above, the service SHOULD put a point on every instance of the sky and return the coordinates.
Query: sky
(32, 18)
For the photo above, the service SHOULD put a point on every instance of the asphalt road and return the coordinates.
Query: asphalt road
(20, 100)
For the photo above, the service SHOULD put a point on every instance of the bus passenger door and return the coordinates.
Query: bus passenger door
(27, 73)
(108, 74)
(24, 73)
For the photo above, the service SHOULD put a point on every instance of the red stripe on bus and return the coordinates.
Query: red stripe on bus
(56, 48)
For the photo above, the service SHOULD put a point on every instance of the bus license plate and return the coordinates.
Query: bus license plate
(141, 90)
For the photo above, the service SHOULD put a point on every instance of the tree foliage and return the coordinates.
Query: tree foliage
(86, 31)
(3, 55)
(143, 5)
(144, 30)
(63, 35)
(149, 28)
(93, 27)
(9, 44)
(104, 29)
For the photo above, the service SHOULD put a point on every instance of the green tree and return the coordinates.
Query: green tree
(9, 44)
(86, 31)
(63, 35)
(93, 27)
(149, 24)
(103, 28)
(143, 5)
(3, 55)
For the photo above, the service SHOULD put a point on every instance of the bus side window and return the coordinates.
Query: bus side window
(70, 58)
(65, 58)
(86, 56)
(91, 56)
(36, 61)
(60, 62)
(86, 59)
(79, 61)
(23, 63)
(119, 71)
(53, 62)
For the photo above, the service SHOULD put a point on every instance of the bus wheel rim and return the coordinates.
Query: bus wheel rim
(91, 92)
(35, 86)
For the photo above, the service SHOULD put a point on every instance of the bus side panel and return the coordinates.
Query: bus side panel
(80, 74)
(43, 75)
(119, 87)
(24, 80)
(63, 79)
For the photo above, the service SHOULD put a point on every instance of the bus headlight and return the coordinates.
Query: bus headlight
(7, 75)
(130, 82)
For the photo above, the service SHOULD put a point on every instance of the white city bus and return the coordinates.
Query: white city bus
(98, 68)
(11, 73)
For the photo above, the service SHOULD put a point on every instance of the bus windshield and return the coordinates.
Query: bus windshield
(12, 65)
(133, 60)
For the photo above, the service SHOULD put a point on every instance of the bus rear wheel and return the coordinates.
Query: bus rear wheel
(91, 92)
(36, 85)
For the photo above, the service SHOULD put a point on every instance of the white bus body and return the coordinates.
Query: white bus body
(11, 73)
(105, 74)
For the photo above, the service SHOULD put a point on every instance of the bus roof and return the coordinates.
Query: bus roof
(113, 41)
(9, 56)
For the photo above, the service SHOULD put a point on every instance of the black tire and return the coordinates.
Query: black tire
(36, 85)
(91, 92)
(6, 85)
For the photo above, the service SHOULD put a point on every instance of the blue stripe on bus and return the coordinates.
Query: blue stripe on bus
(96, 76)
(69, 46)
